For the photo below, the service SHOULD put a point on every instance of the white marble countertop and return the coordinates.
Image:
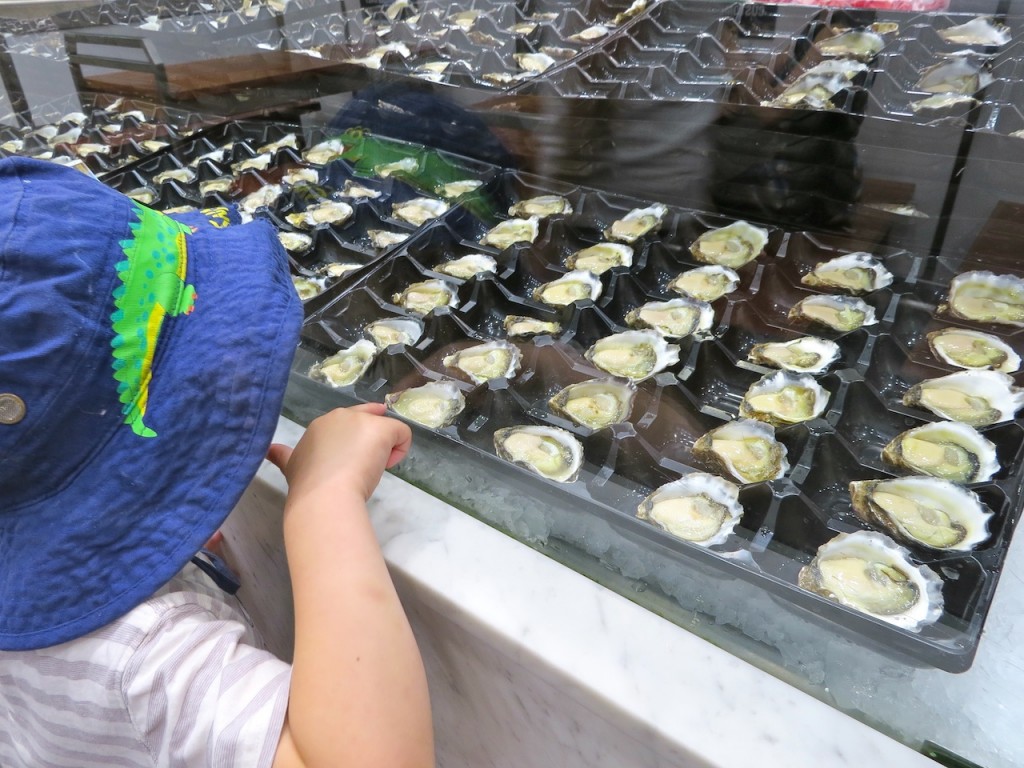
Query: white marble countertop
(532, 664)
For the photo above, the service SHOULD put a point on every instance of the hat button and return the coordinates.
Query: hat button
(12, 408)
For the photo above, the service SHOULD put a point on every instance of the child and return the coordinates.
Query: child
(142, 366)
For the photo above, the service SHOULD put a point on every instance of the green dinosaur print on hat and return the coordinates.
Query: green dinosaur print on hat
(152, 286)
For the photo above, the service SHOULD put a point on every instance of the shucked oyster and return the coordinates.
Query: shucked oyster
(698, 507)
(958, 74)
(859, 44)
(324, 152)
(731, 246)
(327, 212)
(601, 257)
(347, 366)
(923, 510)
(577, 285)
(426, 296)
(468, 266)
(840, 313)
(492, 360)
(986, 298)
(708, 283)
(636, 223)
(548, 451)
(854, 272)
(543, 205)
(521, 326)
(394, 330)
(871, 573)
(454, 189)
(973, 349)
(511, 231)
(980, 31)
(977, 398)
(635, 355)
(674, 318)
(746, 449)
(434, 405)
(808, 354)
(419, 210)
(597, 403)
(784, 398)
(945, 449)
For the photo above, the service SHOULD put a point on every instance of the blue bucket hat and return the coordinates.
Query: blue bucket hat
(143, 363)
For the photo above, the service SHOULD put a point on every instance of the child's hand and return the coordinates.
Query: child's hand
(346, 449)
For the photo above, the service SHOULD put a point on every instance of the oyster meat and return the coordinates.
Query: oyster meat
(308, 287)
(298, 176)
(347, 366)
(327, 212)
(383, 239)
(978, 398)
(394, 330)
(261, 198)
(746, 449)
(433, 405)
(483, 362)
(595, 404)
(407, 166)
(359, 191)
(708, 283)
(973, 350)
(454, 189)
(840, 313)
(854, 272)
(426, 296)
(288, 140)
(517, 326)
(674, 318)
(468, 266)
(859, 44)
(548, 451)
(419, 211)
(182, 175)
(143, 195)
(808, 354)
(731, 246)
(980, 31)
(511, 231)
(295, 241)
(986, 298)
(636, 223)
(533, 62)
(959, 74)
(698, 507)
(945, 449)
(544, 205)
(635, 355)
(944, 101)
(215, 185)
(601, 257)
(929, 511)
(577, 285)
(784, 398)
(595, 32)
(339, 268)
(871, 573)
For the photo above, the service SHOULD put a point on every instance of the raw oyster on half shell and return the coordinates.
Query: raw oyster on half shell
(308, 287)
(483, 362)
(871, 573)
(853, 272)
(468, 266)
(426, 296)
(986, 298)
(708, 283)
(929, 511)
(978, 398)
(731, 246)
(635, 355)
(543, 205)
(746, 449)
(548, 451)
(636, 223)
(674, 318)
(699, 507)
(945, 449)
(522, 326)
(840, 313)
(506, 233)
(324, 152)
(808, 354)
(327, 212)
(784, 398)
(296, 242)
(434, 404)
(454, 189)
(601, 257)
(973, 350)
(394, 330)
(596, 404)
(578, 285)
(958, 74)
(982, 30)
(347, 366)
(859, 44)
(419, 210)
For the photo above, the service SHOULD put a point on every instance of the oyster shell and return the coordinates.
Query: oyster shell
(339, 268)
(383, 239)
(958, 74)
(840, 313)
(426, 296)
(533, 62)
(394, 330)
(698, 507)
(324, 152)
(182, 175)
(859, 44)
(601, 257)
(433, 405)
(544, 205)
(986, 298)
(454, 189)
(945, 449)
(347, 366)
(143, 195)
(980, 31)
(871, 573)
(548, 451)
(419, 210)
(468, 266)
(406, 167)
(521, 326)
(298, 176)
(977, 398)
(591, 33)
(288, 140)
(577, 285)
(928, 511)
(308, 287)
(595, 404)
(808, 354)
(511, 231)
(674, 318)
(944, 101)
(359, 191)
(708, 283)
(746, 449)
(636, 223)
(255, 163)
(854, 272)
(327, 212)
(635, 355)
(784, 398)
(973, 350)
(261, 198)
(483, 362)
(215, 185)
(295, 241)
(731, 246)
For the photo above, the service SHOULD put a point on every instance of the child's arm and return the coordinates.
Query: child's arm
(358, 693)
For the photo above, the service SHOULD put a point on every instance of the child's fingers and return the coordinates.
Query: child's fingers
(278, 455)
(401, 443)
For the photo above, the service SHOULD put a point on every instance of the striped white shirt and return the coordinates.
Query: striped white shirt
(180, 681)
